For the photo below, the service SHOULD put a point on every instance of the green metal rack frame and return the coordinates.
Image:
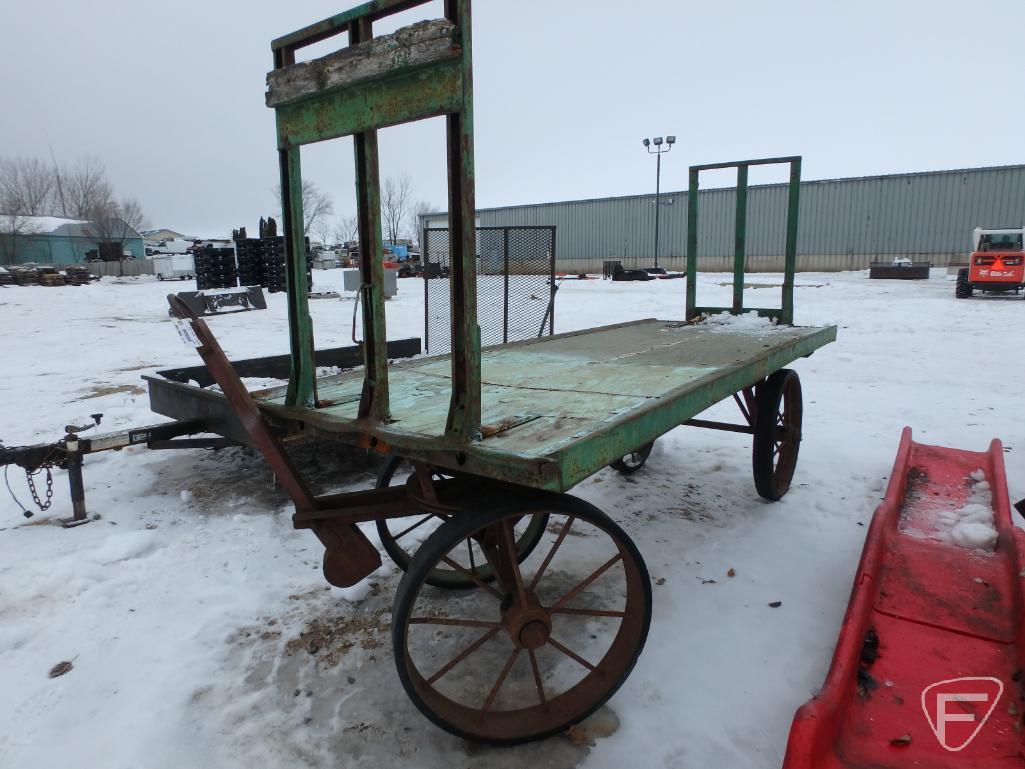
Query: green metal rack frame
(421, 71)
(786, 313)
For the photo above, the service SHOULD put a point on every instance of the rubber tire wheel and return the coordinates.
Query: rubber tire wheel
(772, 479)
(963, 287)
(456, 529)
(402, 559)
(622, 467)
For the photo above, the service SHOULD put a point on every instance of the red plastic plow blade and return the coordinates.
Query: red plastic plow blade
(927, 672)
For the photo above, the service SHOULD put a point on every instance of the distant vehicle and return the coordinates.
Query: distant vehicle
(997, 265)
(172, 246)
(174, 266)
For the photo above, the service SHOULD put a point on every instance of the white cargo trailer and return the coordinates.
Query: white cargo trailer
(174, 266)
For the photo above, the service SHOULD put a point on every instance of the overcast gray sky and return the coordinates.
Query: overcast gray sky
(170, 95)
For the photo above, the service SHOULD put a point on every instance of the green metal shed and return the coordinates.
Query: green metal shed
(53, 240)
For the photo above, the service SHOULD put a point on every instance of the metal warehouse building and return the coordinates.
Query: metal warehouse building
(844, 223)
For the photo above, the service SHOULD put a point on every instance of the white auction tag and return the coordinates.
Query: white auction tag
(187, 333)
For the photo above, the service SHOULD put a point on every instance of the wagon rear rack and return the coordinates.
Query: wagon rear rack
(786, 312)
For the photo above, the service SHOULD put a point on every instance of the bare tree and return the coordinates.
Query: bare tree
(346, 229)
(396, 198)
(317, 205)
(85, 189)
(417, 212)
(111, 224)
(26, 187)
(30, 187)
(131, 213)
(13, 227)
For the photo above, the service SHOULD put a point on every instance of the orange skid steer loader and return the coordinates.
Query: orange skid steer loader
(997, 264)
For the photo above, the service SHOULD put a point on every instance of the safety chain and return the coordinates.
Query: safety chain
(43, 506)
(52, 459)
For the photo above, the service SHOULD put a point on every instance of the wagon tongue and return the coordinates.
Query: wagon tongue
(349, 556)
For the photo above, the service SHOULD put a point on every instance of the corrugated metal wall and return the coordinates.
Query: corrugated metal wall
(844, 223)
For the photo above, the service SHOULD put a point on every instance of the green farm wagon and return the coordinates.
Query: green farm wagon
(522, 608)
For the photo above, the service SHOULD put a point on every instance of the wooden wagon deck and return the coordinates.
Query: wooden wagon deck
(558, 409)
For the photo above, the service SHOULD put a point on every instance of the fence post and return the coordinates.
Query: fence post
(505, 288)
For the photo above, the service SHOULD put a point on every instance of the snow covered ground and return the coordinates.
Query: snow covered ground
(189, 609)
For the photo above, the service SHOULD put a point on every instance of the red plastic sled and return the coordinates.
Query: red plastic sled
(925, 611)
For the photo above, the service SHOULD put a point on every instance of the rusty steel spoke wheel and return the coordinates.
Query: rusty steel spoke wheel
(634, 461)
(541, 647)
(777, 436)
(401, 537)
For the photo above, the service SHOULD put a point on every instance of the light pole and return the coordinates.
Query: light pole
(658, 152)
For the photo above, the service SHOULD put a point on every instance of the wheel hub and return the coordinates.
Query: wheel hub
(528, 624)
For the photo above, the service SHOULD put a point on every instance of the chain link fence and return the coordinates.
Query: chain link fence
(515, 285)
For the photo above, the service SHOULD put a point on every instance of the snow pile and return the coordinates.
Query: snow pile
(748, 321)
(971, 525)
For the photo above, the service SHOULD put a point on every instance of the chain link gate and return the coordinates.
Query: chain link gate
(515, 285)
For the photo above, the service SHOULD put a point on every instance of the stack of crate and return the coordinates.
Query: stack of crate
(215, 268)
(50, 277)
(274, 252)
(78, 275)
(274, 259)
(25, 276)
(252, 264)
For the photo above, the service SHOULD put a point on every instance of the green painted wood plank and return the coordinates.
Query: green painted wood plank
(422, 93)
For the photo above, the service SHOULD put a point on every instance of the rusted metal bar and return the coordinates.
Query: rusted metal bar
(301, 383)
(349, 555)
(790, 265)
(692, 310)
(755, 162)
(374, 399)
(334, 25)
(724, 426)
(77, 487)
(192, 443)
(464, 414)
(740, 241)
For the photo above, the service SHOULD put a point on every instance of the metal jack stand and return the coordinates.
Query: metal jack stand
(74, 465)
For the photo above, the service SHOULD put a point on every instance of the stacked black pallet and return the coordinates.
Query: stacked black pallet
(277, 272)
(215, 268)
(252, 263)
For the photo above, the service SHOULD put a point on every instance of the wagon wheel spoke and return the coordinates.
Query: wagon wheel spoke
(551, 553)
(581, 585)
(573, 655)
(537, 677)
(501, 679)
(421, 522)
(457, 621)
(472, 576)
(509, 553)
(587, 612)
(464, 654)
